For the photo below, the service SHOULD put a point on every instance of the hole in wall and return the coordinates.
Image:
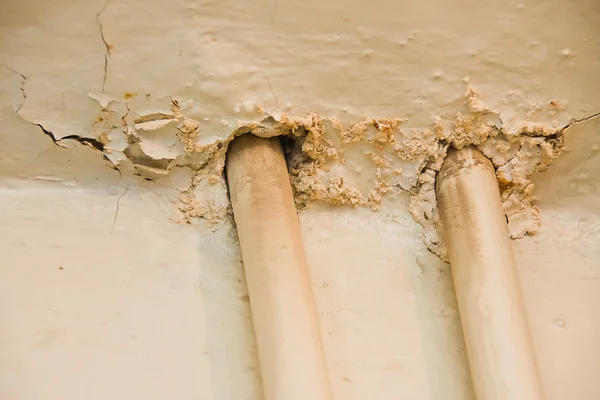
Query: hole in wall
(290, 147)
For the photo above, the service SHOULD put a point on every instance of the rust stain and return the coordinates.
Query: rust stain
(128, 95)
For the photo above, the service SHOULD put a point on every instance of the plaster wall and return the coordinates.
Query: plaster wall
(107, 291)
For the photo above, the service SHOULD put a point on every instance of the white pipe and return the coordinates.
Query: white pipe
(283, 309)
(497, 337)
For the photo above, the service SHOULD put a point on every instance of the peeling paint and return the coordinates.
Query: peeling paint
(156, 135)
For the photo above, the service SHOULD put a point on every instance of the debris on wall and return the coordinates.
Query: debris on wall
(156, 136)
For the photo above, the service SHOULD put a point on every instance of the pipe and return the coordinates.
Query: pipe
(499, 346)
(283, 308)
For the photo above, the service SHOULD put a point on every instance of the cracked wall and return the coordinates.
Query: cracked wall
(153, 133)
(130, 98)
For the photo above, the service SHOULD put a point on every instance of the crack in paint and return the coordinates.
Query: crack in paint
(271, 89)
(90, 142)
(23, 80)
(107, 53)
(50, 134)
(117, 209)
(579, 121)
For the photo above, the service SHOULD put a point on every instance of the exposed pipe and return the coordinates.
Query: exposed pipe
(499, 346)
(283, 309)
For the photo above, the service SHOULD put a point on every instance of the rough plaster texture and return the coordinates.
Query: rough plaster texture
(114, 118)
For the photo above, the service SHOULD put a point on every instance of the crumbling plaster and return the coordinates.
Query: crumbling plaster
(96, 98)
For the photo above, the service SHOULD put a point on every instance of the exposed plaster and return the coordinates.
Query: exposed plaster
(174, 138)
(396, 160)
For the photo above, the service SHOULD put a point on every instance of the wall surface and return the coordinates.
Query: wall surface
(122, 276)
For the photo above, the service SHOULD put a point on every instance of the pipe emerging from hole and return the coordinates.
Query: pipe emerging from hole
(281, 298)
(499, 346)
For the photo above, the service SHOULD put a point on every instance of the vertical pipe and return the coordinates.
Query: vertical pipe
(499, 345)
(283, 309)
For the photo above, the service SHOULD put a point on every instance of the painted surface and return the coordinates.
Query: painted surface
(114, 287)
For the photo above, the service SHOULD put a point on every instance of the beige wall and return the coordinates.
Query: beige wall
(102, 295)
